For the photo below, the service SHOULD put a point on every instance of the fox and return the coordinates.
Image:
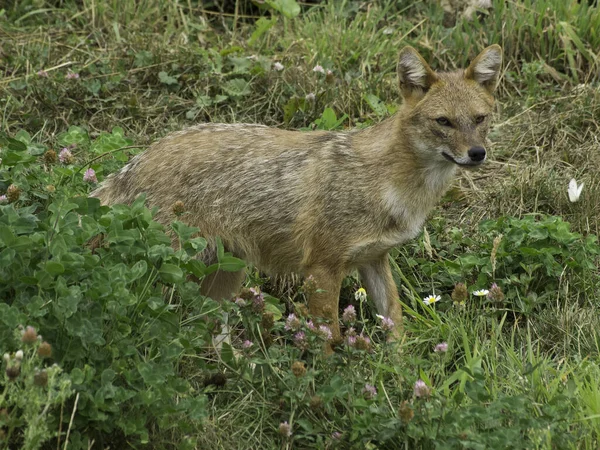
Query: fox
(321, 204)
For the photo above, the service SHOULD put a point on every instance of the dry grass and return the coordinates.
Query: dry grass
(535, 153)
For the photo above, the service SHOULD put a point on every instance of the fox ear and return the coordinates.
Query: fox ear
(485, 68)
(414, 74)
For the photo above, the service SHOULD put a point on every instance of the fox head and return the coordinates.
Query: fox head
(449, 112)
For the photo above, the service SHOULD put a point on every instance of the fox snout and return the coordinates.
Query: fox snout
(476, 154)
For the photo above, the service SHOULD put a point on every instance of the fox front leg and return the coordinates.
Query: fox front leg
(381, 289)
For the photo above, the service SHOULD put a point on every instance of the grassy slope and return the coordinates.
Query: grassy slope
(548, 130)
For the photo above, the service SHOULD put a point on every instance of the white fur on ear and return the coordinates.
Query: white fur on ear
(485, 68)
(413, 71)
(488, 67)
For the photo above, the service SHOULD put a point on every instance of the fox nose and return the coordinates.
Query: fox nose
(476, 154)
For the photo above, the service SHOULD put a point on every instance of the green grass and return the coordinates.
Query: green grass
(521, 374)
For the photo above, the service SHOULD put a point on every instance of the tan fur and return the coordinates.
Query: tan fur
(320, 203)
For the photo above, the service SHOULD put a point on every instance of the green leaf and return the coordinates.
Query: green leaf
(107, 376)
(203, 101)
(74, 135)
(11, 316)
(289, 8)
(538, 233)
(227, 354)
(273, 309)
(7, 237)
(153, 374)
(12, 144)
(155, 303)
(220, 249)
(138, 270)
(240, 64)
(171, 273)
(12, 158)
(290, 109)
(376, 104)
(198, 244)
(143, 58)
(231, 264)
(93, 86)
(54, 268)
(7, 257)
(233, 49)
(23, 136)
(328, 118)
(196, 267)
(77, 376)
(183, 231)
(165, 78)
(237, 87)
(262, 25)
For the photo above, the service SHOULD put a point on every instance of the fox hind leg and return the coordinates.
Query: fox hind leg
(324, 303)
(221, 286)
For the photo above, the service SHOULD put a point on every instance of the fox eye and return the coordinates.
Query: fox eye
(444, 121)
(479, 119)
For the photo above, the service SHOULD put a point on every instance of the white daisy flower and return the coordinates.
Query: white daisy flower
(430, 299)
(481, 293)
(360, 295)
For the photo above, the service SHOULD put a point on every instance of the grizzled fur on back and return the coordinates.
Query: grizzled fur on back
(239, 183)
(321, 203)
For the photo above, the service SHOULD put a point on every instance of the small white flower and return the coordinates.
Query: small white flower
(574, 190)
(430, 299)
(318, 68)
(19, 355)
(278, 66)
(310, 97)
(6, 358)
(360, 295)
(481, 293)
(388, 30)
